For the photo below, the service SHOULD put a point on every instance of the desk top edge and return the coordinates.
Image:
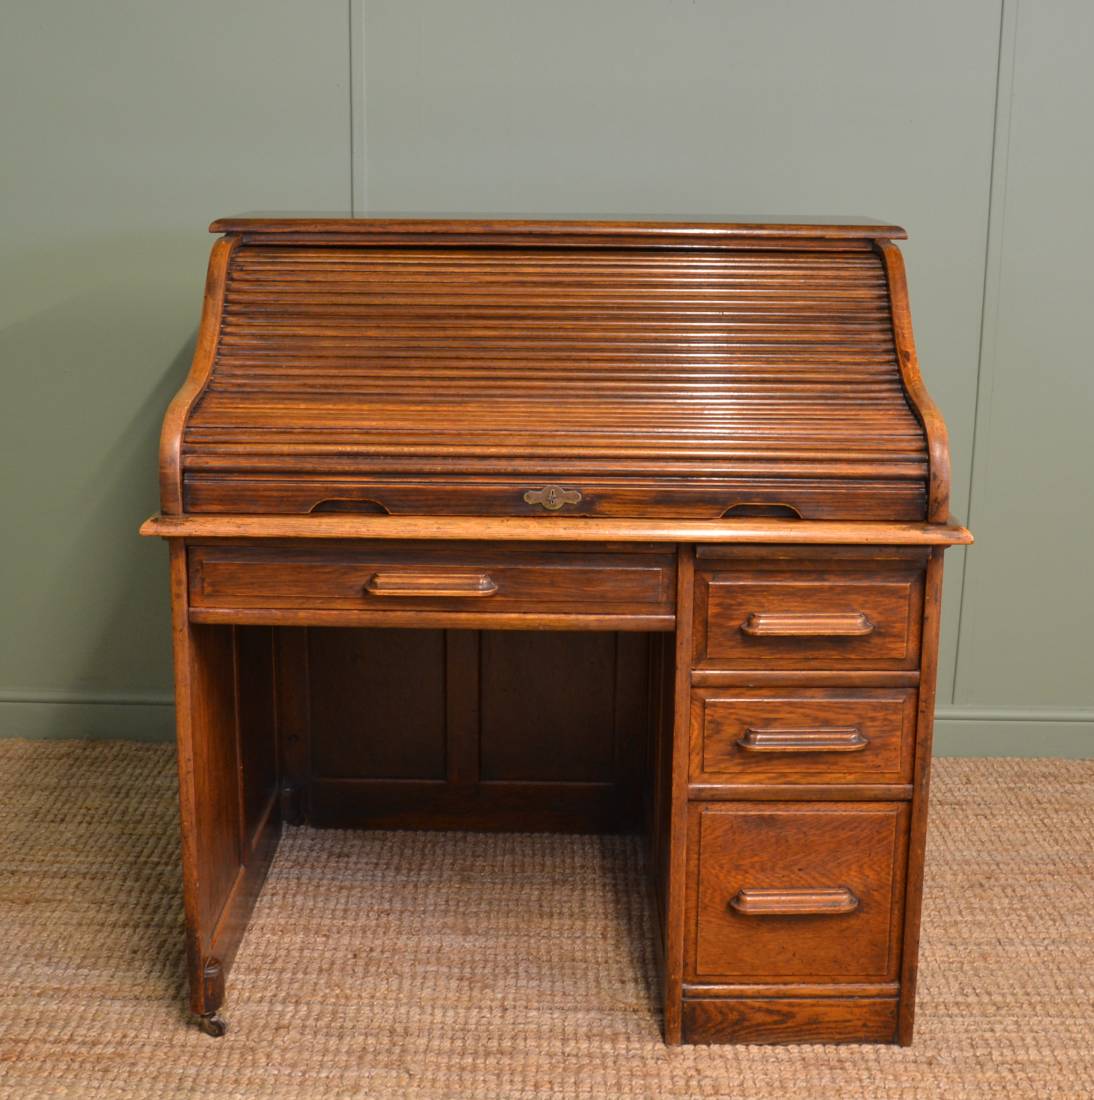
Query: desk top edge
(562, 529)
(547, 227)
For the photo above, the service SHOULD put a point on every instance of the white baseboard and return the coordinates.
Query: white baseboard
(959, 731)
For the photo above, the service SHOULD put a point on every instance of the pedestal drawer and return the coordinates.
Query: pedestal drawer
(785, 735)
(796, 892)
(824, 612)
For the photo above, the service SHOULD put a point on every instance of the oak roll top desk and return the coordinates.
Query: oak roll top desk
(572, 525)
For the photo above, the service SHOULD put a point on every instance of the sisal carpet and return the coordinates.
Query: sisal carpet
(435, 965)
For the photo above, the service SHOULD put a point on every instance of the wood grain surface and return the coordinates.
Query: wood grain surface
(556, 529)
(438, 491)
(447, 367)
(737, 851)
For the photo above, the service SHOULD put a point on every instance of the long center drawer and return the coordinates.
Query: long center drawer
(468, 577)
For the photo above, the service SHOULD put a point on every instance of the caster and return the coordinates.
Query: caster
(212, 1024)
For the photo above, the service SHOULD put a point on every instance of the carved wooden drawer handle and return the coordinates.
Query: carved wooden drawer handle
(393, 582)
(819, 739)
(818, 901)
(807, 624)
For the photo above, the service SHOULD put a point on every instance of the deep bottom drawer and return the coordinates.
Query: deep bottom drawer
(796, 892)
(791, 1020)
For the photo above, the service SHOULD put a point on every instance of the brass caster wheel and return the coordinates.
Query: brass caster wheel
(212, 1024)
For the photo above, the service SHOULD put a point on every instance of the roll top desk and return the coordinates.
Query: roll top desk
(570, 525)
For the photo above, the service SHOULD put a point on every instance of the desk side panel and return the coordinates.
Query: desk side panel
(227, 781)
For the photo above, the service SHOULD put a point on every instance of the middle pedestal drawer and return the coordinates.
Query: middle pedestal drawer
(799, 735)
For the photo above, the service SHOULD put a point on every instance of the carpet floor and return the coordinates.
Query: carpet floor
(442, 965)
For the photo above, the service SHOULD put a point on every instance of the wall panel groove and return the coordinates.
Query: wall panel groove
(989, 310)
(358, 164)
(1028, 605)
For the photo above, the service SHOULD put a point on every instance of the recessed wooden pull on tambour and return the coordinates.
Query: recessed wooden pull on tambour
(406, 582)
(807, 624)
(804, 739)
(780, 902)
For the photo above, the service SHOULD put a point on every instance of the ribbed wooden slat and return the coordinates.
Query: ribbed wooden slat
(350, 359)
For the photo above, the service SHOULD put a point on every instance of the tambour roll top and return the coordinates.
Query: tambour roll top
(655, 370)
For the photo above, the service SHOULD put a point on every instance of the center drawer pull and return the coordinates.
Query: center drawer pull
(807, 624)
(406, 582)
(805, 739)
(818, 901)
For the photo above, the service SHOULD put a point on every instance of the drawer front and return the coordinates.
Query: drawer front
(472, 578)
(824, 618)
(802, 735)
(800, 892)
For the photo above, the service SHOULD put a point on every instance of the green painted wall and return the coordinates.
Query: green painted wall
(134, 124)
(125, 128)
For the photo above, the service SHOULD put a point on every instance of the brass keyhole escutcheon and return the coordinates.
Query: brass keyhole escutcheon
(552, 497)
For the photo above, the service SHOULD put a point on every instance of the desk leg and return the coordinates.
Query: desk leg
(229, 814)
(677, 816)
(913, 908)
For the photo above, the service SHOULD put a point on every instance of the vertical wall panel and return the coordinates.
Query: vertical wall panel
(1028, 621)
(126, 128)
(875, 107)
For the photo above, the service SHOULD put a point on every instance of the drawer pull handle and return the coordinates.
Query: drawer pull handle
(819, 901)
(827, 739)
(436, 584)
(808, 624)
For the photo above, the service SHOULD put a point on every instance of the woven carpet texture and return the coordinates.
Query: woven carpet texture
(430, 965)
